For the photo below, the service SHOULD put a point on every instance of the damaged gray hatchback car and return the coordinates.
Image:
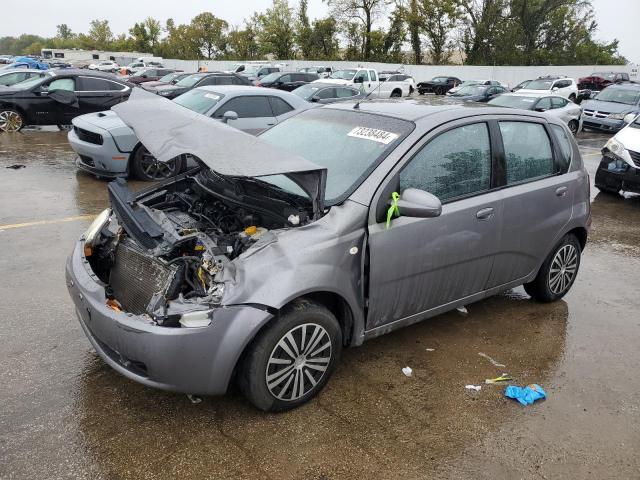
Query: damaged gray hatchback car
(339, 225)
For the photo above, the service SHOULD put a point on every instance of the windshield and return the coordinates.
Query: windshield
(348, 144)
(200, 101)
(272, 77)
(306, 91)
(168, 77)
(626, 96)
(251, 69)
(306, 70)
(514, 101)
(440, 79)
(189, 81)
(636, 123)
(343, 74)
(29, 83)
(608, 76)
(470, 90)
(540, 85)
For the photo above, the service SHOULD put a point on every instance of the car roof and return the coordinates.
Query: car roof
(534, 93)
(625, 86)
(249, 90)
(28, 70)
(417, 110)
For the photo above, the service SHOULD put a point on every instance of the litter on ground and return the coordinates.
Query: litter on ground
(407, 371)
(525, 395)
(493, 362)
(477, 388)
(194, 399)
(505, 377)
(462, 310)
(430, 349)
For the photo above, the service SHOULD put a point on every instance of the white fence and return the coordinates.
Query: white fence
(507, 75)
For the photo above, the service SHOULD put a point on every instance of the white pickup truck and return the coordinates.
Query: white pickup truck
(367, 81)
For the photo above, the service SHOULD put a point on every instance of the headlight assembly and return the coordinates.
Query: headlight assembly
(93, 232)
(618, 150)
(616, 116)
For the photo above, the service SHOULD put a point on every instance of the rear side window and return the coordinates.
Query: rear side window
(88, 84)
(566, 149)
(454, 164)
(326, 93)
(346, 92)
(247, 107)
(527, 150)
(237, 81)
(374, 77)
(279, 106)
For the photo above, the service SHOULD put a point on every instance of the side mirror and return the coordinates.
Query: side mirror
(540, 109)
(229, 115)
(315, 99)
(554, 89)
(420, 204)
(629, 118)
(358, 80)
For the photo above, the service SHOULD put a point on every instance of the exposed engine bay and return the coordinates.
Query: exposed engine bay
(170, 248)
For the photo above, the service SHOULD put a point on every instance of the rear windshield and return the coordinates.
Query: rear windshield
(608, 76)
(348, 144)
(512, 101)
(625, 96)
(200, 101)
(540, 85)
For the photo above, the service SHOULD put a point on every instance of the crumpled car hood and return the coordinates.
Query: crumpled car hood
(169, 130)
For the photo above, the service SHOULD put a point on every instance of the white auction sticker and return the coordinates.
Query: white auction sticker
(373, 134)
(212, 96)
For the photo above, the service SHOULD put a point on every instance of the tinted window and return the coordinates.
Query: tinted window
(527, 150)
(279, 106)
(373, 75)
(557, 102)
(565, 147)
(453, 164)
(223, 80)
(310, 77)
(89, 84)
(286, 78)
(247, 107)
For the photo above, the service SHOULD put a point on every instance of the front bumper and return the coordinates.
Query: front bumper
(103, 160)
(604, 124)
(629, 180)
(187, 360)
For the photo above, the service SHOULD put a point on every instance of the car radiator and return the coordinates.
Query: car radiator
(136, 277)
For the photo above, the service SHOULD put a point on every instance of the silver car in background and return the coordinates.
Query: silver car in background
(339, 225)
(106, 147)
(553, 105)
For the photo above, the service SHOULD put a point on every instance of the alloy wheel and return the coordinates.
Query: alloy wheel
(573, 127)
(298, 361)
(564, 267)
(10, 121)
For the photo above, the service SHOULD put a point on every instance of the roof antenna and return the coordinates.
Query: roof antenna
(366, 97)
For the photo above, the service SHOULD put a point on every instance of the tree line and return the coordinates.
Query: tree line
(473, 32)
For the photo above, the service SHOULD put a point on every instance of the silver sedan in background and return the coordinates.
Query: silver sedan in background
(106, 147)
(553, 105)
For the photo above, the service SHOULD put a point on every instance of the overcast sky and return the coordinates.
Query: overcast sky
(616, 19)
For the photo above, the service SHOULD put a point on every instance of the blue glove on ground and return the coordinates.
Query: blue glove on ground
(525, 395)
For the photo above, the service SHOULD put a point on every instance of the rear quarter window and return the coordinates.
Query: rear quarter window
(566, 149)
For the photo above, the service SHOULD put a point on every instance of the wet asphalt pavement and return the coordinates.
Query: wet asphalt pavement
(65, 414)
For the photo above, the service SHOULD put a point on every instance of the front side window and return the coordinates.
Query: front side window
(557, 102)
(346, 92)
(527, 150)
(373, 75)
(361, 77)
(454, 164)
(326, 93)
(544, 104)
(247, 107)
(63, 84)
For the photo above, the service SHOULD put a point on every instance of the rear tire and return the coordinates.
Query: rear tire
(11, 121)
(145, 166)
(573, 98)
(292, 359)
(607, 190)
(558, 272)
(396, 94)
(574, 126)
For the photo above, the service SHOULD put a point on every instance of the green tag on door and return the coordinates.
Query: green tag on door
(393, 209)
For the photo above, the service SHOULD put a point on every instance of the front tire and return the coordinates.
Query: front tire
(65, 127)
(558, 272)
(10, 120)
(147, 168)
(573, 98)
(292, 359)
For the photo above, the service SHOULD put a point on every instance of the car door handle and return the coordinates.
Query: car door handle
(484, 214)
(561, 191)
(270, 124)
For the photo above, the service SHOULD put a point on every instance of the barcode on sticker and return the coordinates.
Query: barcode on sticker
(373, 134)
